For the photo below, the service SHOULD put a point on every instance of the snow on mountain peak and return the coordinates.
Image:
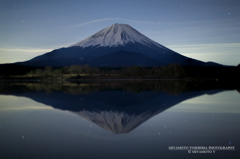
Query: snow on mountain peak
(117, 35)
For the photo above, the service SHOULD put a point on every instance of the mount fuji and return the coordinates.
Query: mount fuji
(115, 46)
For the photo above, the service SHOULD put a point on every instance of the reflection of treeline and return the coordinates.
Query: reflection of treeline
(169, 86)
(170, 71)
(85, 88)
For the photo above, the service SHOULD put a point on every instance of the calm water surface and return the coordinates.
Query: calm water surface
(129, 121)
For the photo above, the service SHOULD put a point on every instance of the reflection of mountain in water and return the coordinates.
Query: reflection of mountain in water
(113, 109)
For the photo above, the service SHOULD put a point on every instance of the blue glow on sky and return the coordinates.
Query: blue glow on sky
(207, 30)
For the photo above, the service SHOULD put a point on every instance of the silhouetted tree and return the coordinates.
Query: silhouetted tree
(76, 69)
(57, 72)
(31, 73)
(65, 69)
(48, 71)
(39, 72)
(86, 68)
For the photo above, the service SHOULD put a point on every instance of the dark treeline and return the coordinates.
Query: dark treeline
(170, 71)
(173, 71)
(13, 69)
(136, 86)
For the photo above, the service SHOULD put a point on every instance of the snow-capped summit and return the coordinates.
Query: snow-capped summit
(117, 35)
(118, 45)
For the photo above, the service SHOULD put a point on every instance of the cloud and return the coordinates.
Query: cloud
(9, 55)
(25, 50)
(8, 102)
(91, 22)
(134, 21)
(156, 22)
(224, 53)
(201, 46)
(110, 19)
(25, 107)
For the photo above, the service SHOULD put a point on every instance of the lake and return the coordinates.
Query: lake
(120, 119)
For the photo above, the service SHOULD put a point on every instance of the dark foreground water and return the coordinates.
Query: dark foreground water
(137, 120)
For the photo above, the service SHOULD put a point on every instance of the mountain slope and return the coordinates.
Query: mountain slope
(123, 58)
(118, 37)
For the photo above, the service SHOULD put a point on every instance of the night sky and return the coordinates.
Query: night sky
(208, 30)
